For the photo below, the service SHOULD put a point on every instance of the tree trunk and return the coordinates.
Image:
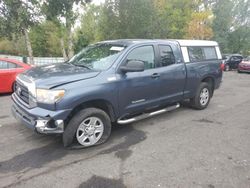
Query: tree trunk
(65, 57)
(14, 43)
(29, 48)
(70, 43)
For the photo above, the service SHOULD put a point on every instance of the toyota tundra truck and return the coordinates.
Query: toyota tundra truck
(117, 81)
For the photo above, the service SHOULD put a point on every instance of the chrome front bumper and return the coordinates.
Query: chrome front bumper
(39, 119)
(44, 126)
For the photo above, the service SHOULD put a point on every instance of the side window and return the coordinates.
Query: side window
(8, 65)
(209, 53)
(145, 54)
(236, 58)
(197, 53)
(11, 65)
(3, 65)
(167, 55)
(232, 58)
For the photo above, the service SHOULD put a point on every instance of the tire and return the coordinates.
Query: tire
(227, 67)
(239, 71)
(201, 103)
(76, 129)
(13, 86)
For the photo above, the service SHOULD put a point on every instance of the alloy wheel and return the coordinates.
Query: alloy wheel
(90, 131)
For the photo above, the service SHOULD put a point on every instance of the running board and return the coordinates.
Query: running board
(147, 115)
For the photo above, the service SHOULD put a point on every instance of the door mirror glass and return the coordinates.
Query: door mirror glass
(133, 66)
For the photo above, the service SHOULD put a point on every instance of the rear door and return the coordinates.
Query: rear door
(138, 91)
(172, 73)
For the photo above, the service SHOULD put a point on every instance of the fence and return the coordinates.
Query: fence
(46, 60)
(38, 61)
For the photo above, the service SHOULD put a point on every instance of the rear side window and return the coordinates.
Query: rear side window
(12, 65)
(3, 65)
(197, 53)
(167, 55)
(209, 53)
(8, 65)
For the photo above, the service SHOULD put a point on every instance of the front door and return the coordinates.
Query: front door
(138, 91)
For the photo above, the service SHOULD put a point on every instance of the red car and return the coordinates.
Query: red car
(9, 68)
(244, 66)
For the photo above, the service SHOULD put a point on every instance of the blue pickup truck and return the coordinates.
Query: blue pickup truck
(117, 81)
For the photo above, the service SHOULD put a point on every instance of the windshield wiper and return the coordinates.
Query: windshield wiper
(79, 65)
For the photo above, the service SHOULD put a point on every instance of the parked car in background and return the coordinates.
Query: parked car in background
(9, 68)
(231, 61)
(244, 66)
(116, 81)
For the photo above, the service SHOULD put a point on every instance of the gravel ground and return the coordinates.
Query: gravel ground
(183, 148)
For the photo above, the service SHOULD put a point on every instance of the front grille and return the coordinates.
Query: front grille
(22, 92)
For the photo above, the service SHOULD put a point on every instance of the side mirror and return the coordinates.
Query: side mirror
(133, 66)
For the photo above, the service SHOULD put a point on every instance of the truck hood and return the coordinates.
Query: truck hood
(54, 75)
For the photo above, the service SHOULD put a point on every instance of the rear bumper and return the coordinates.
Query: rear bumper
(39, 119)
(244, 70)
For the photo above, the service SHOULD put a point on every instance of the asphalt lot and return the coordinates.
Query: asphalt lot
(184, 148)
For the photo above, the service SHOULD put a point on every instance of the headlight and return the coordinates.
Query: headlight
(49, 96)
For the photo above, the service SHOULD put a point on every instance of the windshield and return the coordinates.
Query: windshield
(98, 56)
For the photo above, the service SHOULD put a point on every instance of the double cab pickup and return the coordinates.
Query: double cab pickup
(117, 81)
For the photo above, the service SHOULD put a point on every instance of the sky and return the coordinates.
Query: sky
(97, 2)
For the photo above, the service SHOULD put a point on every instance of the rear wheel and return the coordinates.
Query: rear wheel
(202, 97)
(89, 127)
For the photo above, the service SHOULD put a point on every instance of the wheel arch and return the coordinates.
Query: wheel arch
(102, 104)
(211, 81)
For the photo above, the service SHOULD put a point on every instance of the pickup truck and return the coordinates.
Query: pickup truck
(117, 81)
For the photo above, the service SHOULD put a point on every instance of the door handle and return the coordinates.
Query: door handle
(155, 75)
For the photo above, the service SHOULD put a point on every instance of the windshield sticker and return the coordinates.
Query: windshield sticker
(116, 48)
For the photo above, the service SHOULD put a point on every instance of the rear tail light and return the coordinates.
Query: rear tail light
(222, 66)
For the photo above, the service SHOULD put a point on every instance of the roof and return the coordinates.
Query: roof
(128, 42)
(232, 55)
(197, 43)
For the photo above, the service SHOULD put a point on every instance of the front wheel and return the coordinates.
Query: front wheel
(202, 97)
(89, 127)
